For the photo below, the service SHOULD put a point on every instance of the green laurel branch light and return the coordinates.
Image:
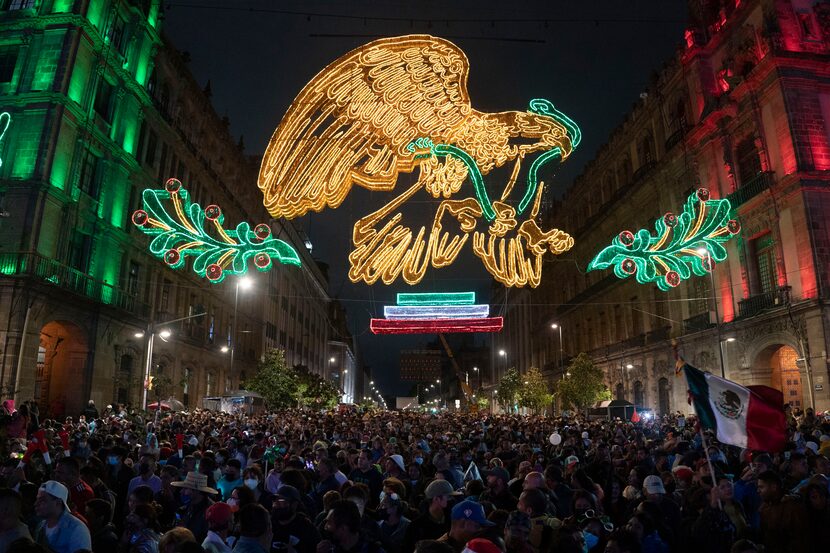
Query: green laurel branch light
(182, 232)
(683, 245)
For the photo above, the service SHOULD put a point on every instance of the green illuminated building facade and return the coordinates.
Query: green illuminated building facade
(101, 107)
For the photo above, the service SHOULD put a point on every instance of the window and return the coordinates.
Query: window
(663, 396)
(212, 328)
(80, 248)
(142, 136)
(646, 152)
(639, 397)
(118, 34)
(748, 161)
(89, 180)
(164, 302)
(104, 99)
(132, 278)
(765, 272)
(20, 5)
(163, 162)
(282, 338)
(124, 380)
(152, 145)
(209, 390)
(8, 62)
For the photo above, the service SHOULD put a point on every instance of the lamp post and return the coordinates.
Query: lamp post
(164, 334)
(440, 390)
(557, 326)
(245, 283)
(702, 252)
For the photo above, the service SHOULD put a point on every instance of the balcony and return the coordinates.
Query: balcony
(754, 305)
(54, 273)
(697, 323)
(643, 170)
(760, 182)
(675, 138)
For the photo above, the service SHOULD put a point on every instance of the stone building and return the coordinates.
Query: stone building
(102, 106)
(743, 109)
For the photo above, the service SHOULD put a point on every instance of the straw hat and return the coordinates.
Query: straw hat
(195, 481)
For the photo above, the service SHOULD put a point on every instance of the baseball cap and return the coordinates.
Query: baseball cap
(499, 472)
(470, 510)
(571, 460)
(653, 484)
(481, 545)
(57, 490)
(218, 513)
(288, 492)
(439, 487)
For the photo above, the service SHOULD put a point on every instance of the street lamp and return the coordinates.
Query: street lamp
(711, 269)
(475, 369)
(245, 283)
(557, 326)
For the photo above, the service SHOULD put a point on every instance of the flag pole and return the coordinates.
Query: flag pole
(709, 461)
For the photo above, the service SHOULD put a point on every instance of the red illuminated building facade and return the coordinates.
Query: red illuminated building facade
(743, 109)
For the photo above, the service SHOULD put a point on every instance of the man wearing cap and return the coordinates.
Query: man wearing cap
(393, 525)
(434, 523)
(497, 492)
(219, 518)
(395, 467)
(290, 527)
(194, 496)
(366, 473)
(59, 530)
(467, 521)
(655, 493)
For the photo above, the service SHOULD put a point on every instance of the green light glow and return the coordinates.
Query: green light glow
(687, 244)
(533, 179)
(442, 150)
(79, 80)
(183, 233)
(62, 6)
(436, 298)
(94, 13)
(5, 121)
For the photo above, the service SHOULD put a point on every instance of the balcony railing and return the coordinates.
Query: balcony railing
(760, 302)
(641, 172)
(52, 272)
(675, 138)
(760, 182)
(697, 323)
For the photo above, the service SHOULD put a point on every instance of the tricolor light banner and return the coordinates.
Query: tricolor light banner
(436, 313)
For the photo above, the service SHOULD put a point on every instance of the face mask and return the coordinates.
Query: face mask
(220, 459)
(112, 460)
(590, 540)
(185, 499)
(252, 483)
(419, 460)
(413, 482)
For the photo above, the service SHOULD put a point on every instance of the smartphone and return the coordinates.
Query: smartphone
(309, 465)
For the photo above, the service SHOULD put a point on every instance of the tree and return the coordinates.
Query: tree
(313, 391)
(275, 381)
(583, 384)
(508, 391)
(534, 393)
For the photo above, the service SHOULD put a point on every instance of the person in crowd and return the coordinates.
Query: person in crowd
(141, 530)
(342, 531)
(497, 491)
(98, 514)
(219, 517)
(177, 540)
(290, 526)
(12, 527)
(146, 474)
(468, 520)
(253, 480)
(393, 523)
(59, 530)
(366, 473)
(231, 478)
(68, 472)
(195, 497)
(255, 534)
(783, 518)
(434, 522)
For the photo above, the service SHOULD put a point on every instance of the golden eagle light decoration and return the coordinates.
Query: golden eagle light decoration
(393, 106)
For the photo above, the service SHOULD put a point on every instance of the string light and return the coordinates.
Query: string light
(436, 311)
(685, 244)
(5, 121)
(397, 104)
(431, 313)
(184, 233)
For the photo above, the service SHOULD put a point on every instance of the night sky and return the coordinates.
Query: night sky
(592, 59)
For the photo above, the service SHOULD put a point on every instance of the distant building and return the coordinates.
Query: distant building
(421, 365)
(743, 109)
(102, 106)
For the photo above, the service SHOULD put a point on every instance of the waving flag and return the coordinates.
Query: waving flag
(745, 416)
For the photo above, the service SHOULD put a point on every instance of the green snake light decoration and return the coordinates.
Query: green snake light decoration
(685, 244)
(183, 233)
(5, 121)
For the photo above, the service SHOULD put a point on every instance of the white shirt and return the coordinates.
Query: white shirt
(215, 544)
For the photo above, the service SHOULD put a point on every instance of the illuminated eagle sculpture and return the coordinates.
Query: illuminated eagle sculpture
(397, 105)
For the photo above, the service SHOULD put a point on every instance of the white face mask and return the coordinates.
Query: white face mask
(252, 483)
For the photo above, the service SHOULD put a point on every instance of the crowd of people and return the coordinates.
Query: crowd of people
(402, 481)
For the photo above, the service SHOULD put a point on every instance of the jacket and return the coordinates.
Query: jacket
(70, 535)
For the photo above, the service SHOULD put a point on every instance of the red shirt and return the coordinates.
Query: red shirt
(79, 494)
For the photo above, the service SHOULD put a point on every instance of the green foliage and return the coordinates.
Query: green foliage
(313, 391)
(284, 387)
(275, 381)
(508, 391)
(583, 385)
(534, 393)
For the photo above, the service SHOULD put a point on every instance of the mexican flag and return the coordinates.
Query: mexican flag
(751, 417)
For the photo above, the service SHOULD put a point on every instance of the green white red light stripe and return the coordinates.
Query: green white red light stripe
(436, 311)
(431, 313)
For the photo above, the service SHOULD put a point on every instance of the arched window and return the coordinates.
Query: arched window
(124, 380)
(663, 396)
(646, 150)
(620, 393)
(638, 393)
(624, 172)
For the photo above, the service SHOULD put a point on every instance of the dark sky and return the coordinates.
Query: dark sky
(592, 59)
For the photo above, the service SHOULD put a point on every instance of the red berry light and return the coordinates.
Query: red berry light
(262, 260)
(672, 278)
(628, 266)
(140, 218)
(626, 238)
(733, 226)
(213, 212)
(171, 257)
(262, 231)
(703, 194)
(173, 185)
(670, 219)
(213, 272)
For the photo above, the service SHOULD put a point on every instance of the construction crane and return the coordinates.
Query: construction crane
(465, 387)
